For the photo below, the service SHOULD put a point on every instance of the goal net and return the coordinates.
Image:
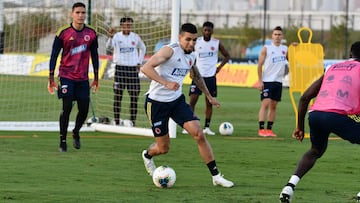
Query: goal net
(27, 31)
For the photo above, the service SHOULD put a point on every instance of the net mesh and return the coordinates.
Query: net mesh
(29, 30)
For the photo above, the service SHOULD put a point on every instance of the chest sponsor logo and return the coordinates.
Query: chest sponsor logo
(179, 72)
(127, 50)
(78, 49)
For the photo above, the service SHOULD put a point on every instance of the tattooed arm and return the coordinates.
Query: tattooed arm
(199, 81)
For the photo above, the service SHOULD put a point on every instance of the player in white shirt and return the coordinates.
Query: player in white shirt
(206, 50)
(164, 100)
(128, 54)
(274, 59)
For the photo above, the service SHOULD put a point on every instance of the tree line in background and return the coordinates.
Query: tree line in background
(24, 35)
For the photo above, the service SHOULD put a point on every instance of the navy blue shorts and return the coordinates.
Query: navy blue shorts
(159, 114)
(77, 90)
(126, 77)
(272, 90)
(323, 123)
(210, 84)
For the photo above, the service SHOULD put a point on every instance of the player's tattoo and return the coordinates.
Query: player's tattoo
(199, 81)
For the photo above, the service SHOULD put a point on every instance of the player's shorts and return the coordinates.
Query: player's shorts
(272, 90)
(210, 84)
(323, 123)
(126, 77)
(159, 114)
(77, 90)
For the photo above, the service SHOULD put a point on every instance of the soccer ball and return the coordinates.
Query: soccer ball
(164, 177)
(226, 128)
(92, 120)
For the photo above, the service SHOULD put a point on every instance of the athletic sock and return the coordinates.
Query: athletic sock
(270, 124)
(148, 156)
(207, 123)
(291, 185)
(62, 138)
(261, 125)
(76, 134)
(212, 167)
(294, 180)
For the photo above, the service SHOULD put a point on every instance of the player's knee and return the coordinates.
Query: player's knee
(316, 153)
(199, 136)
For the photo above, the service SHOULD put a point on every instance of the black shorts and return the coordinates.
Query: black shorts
(272, 90)
(126, 77)
(210, 84)
(159, 114)
(323, 123)
(77, 90)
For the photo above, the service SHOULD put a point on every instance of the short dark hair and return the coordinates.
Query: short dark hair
(355, 50)
(188, 27)
(78, 4)
(208, 24)
(278, 28)
(126, 19)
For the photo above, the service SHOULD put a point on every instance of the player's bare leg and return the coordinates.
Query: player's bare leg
(208, 114)
(161, 146)
(206, 153)
(262, 115)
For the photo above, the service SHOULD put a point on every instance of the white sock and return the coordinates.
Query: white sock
(294, 179)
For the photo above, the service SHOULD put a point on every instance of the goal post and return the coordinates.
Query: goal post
(29, 30)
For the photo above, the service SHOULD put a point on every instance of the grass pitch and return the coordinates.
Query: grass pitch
(109, 167)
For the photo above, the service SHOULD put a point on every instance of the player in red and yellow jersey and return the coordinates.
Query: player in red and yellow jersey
(78, 43)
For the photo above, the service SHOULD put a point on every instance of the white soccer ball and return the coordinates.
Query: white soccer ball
(92, 120)
(226, 128)
(164, 177)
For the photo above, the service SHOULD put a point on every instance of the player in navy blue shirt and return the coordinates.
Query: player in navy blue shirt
(78, 43)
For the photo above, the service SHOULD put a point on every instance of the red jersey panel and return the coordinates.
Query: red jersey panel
(76, 45)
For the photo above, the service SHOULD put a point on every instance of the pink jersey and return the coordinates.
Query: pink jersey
(340, 89)
(77, 46)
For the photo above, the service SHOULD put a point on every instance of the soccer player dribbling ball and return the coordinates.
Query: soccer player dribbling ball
(165, 100)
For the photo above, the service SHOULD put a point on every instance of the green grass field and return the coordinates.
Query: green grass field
(109, 167)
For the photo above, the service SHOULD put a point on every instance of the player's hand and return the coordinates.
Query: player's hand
(138, 66)
(260, 86)
(213, 101)
(218, 69)
(51, 85)
(298, 134)
(111, 32)
(172, 85)
(95, 85)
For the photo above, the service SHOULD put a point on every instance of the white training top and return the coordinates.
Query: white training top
(175, 70)
(206, 56)
(126, 49)
(275, 63)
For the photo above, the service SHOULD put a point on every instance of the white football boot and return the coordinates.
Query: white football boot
(207, 131)
(184, 132)
(286, 194)
(149, 163)
(221, 181)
